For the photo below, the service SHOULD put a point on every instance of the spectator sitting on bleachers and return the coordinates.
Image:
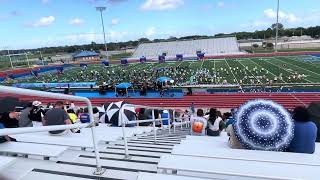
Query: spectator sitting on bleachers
(57, 116)
(4, 139)
(143, 116)
(73, 117)
(157, 115)
(9, 119)
(84, 116)
(24, 120)
(305, 132)
(198, 124)
(215, 123)
(36, 114)
(230, 119)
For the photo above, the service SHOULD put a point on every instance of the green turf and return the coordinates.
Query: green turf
(244, 71)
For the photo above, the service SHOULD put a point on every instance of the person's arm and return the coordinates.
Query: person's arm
(44, 121)
(67, 120)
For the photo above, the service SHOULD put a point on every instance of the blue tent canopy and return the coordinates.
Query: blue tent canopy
(123, 85)
(164, 79)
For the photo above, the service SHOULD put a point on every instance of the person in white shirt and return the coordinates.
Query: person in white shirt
(198, 124)
(215, 123)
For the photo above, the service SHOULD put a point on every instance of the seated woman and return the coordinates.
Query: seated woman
(215, 123)
(305, 132)
(198, 124)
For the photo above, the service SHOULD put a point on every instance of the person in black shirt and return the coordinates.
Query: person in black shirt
(36, 114)
(9, 119)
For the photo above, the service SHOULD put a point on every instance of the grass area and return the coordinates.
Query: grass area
(278, 70)
(117, 57)
(285, 50)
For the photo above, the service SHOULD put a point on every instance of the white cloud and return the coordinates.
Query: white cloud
(44, 21)
(220, 4)
(76, 21)
(160, 5)
(115, 21)
(289, 17)
(150, 31)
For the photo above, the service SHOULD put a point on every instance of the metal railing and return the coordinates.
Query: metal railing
(26, 92)
(153, 120)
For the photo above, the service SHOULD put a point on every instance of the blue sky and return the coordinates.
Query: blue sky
(38, 23)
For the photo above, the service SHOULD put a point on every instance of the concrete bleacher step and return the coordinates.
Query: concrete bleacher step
(158, 141)
(76, 164)
(114, 164)
(6, 161)
(135, 159)
(26, 168)
(132, 153)
(150, 146)
(161, 139)
(148, 176)
(54, 175)
(142, 149)
(43, 150)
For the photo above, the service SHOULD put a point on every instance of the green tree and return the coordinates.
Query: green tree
(255, 45)
(270, 45)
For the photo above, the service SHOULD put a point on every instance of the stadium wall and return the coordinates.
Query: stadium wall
(16, 73)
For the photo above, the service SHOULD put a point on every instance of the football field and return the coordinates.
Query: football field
(277, 70)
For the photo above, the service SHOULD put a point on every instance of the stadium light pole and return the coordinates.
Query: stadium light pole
(277, 26)
(27, 59)
(10, 58)
(101, 9)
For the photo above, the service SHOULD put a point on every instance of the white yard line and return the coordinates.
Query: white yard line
(284, 69)
(202, 64)
(309, 63)
(297, 66)
(267, 69)
(232, 72)
(179, 64)
(246, 70)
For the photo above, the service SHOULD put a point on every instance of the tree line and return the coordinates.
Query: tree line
(112, 46)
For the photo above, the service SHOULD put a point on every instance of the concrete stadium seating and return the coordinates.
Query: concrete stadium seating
(217, 46)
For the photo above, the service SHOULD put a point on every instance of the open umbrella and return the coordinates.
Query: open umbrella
(8, 104)
(113, 113)
(264, 125)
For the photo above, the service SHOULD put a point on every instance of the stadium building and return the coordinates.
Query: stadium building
(86, 56)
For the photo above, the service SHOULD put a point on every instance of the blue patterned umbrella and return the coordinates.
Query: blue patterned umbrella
(264, 125)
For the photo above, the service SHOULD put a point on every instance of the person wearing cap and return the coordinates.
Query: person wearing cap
(36, 114)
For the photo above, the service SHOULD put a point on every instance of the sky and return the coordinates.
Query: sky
(43, 23)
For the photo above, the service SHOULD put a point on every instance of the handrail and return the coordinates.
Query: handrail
(123, 124)
(5, 89)
(12, 131)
